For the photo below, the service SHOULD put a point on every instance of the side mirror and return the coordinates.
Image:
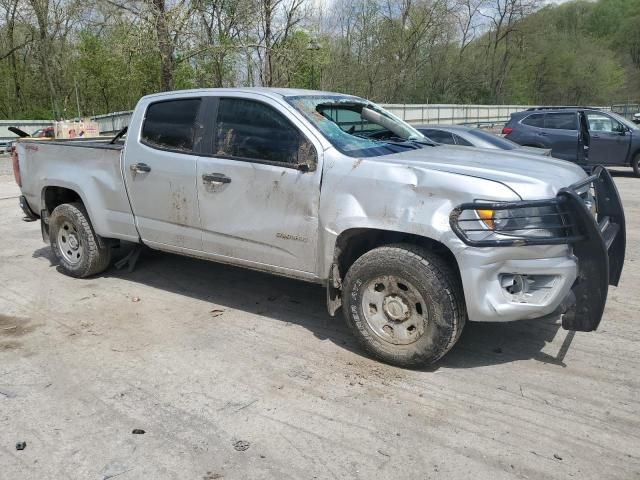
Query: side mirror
(620, 130)
(307, 157)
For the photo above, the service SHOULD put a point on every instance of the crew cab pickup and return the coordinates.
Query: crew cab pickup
(410, 238)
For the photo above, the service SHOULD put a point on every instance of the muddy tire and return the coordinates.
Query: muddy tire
(635, 163)
(74, 243)
(404, 304)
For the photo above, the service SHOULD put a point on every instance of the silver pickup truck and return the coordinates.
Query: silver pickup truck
(410, 238)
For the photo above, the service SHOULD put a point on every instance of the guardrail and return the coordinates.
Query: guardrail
(448, 114)
(29, 126)
(479, 115)
(112, 123)
(416, 114)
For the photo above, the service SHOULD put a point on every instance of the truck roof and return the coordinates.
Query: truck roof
(271, 92)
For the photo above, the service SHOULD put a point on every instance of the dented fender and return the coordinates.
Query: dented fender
(370, 193)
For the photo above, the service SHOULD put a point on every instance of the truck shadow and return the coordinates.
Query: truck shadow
(303, 304)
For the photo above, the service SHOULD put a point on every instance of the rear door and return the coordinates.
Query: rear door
(531, 132)
(257, 206)
(160, 163)
(609, 139)
(561, 134)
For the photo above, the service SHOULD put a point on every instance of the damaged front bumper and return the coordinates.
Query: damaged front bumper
(586, 254)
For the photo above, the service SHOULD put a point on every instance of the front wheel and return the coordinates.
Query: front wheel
(404, 304)
(74, 242)
(636, 165)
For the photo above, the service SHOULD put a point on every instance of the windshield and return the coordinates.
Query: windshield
(356, 127)
(494, 140)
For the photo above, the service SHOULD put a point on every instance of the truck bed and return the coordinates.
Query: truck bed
(91, 166)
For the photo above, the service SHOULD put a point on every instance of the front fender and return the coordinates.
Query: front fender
(371, 194)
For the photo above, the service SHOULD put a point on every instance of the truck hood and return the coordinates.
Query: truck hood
(530, 176)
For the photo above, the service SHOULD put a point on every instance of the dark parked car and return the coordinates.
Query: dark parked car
(584, 135)
(474, 137)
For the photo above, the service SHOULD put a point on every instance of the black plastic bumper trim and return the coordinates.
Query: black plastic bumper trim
(26, 209)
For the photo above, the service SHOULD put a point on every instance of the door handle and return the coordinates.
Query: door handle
(140, 168)
(215, 179)
(543, 134)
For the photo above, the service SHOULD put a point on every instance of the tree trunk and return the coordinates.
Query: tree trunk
(41, 10)
(11, 21)
(267, 74)
(165, 45)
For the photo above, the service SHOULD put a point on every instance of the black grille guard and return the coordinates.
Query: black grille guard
(598, 242)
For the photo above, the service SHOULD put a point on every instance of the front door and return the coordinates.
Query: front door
(257, 205)
(609, 140)
(160, 174)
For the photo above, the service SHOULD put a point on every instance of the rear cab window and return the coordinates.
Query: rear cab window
(172, 125)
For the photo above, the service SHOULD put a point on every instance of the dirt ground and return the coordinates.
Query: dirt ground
(239, 375)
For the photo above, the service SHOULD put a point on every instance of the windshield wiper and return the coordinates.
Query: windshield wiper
(423, 142)
(403, 143)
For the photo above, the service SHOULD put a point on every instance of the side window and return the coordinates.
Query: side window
(171, 124)
(251, 130)
(535, 120)
(461, 141)
(439, 136)
(560, 121)
(599, 122)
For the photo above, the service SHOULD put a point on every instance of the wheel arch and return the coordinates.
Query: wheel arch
(53, 195)
(352, 243)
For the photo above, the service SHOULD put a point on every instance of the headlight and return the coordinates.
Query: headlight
(532, 221)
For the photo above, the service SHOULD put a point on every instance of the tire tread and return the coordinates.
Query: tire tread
(99, 255)
(430, 262)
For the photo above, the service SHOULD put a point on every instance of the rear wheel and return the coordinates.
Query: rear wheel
(636, 165)
(74, 242)
(405, 304)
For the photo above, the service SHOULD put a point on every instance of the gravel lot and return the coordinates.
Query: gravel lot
(209, 360)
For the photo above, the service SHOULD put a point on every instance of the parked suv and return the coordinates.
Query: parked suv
(584, 135)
